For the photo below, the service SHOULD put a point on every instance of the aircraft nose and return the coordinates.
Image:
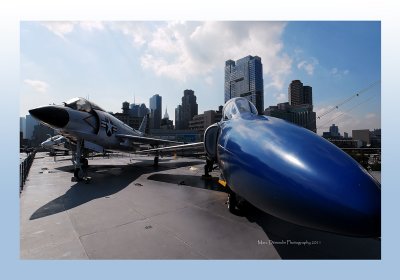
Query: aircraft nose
(298, 176)
(45, 144)
(334, 192)
(51, 115)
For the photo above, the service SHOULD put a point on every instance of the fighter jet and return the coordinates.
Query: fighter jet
(89, 126)
(56, 143)
(290, 172)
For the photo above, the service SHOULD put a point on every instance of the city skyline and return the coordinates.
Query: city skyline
(111, 62)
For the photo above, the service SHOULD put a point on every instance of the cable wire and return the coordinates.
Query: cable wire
(355, 106)
(350, 98)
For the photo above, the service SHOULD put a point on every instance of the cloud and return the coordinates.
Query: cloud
(209, 80)
(281, 97)
(298, 52)
(308, 65)
(335, 72)
(38, 86)
(91, 25)
(62, 28)
(182, 50)
(139, 32)
(59, 28)
(370, 116)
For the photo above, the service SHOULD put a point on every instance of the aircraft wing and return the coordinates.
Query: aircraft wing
(183, 147)
(147, 140)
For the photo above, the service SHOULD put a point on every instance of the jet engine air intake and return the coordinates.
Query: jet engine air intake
(52, 115)
(210, 141)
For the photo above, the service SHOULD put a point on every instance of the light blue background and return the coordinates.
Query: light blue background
(11, 267)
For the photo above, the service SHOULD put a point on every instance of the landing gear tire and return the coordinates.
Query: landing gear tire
(79, 174)
(232, 202)
(155, 164)
(80, 163)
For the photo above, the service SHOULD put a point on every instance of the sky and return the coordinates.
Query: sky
(112, 62)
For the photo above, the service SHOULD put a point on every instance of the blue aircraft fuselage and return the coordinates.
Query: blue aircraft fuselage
(294, 174)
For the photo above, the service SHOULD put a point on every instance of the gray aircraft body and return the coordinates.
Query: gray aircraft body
(88, 126)
(56, 143)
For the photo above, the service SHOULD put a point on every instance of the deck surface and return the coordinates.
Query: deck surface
(131, 210)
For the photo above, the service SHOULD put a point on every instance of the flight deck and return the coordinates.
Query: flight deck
(132, 210)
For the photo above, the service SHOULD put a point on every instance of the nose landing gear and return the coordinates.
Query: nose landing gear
(80, 164)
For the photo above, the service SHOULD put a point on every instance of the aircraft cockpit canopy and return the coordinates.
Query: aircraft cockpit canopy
(238, 106)
(81, 104)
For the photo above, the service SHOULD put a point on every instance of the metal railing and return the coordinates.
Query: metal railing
(24, 169)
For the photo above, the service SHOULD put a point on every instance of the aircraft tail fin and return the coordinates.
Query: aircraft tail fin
(142, 127)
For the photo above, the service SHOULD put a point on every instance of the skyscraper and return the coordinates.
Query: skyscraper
(155, 111)
(307, 95)
(125, 107)
(166, 123)
(295, 93)
(22, 126)
(299, 94)
(30, 125)
(334, 130)
(189, 107)
(299, 109)
(166, 116)
(178, 117)
(143, 111)
(244, 78)
(134, 108)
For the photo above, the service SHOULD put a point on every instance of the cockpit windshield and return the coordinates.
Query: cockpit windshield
(81, 104)
(238, 106)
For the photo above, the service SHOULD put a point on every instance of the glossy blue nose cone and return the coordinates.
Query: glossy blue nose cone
(296, 175)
